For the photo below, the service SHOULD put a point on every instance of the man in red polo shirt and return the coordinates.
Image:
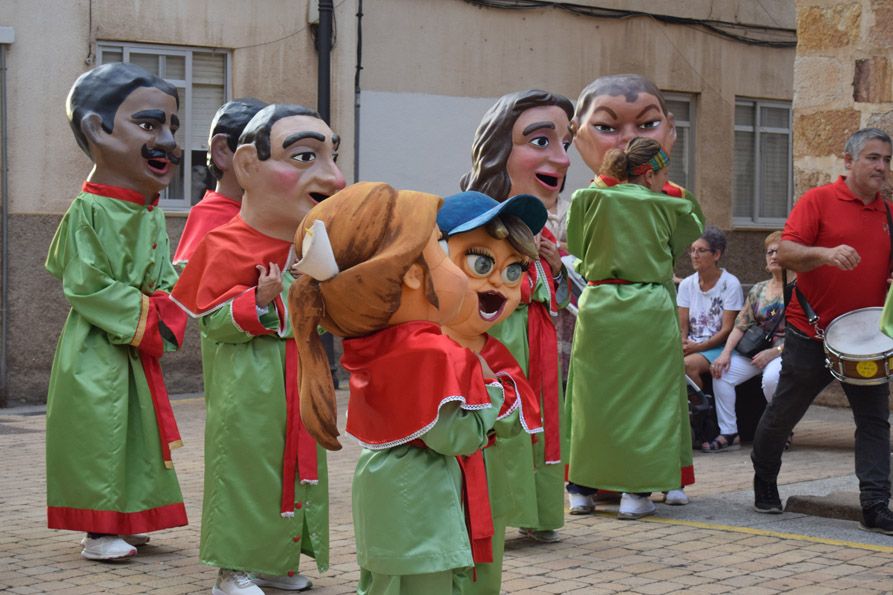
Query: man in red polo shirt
(837, 239)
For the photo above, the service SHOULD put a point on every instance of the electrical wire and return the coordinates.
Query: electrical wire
(783, 37)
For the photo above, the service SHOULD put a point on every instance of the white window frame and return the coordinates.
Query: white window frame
(186, 139)
(755, 221)
(689, 155)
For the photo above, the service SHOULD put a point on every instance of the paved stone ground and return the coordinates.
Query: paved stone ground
(714, 545)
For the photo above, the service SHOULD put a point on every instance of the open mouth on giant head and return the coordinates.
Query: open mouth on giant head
(490, 304)
(159, 166)
(550, 181)
(318, 197)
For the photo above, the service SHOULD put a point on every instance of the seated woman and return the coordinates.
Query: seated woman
(764, 308)
(708, 301)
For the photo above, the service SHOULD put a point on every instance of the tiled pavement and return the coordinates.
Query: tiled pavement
(714, 545)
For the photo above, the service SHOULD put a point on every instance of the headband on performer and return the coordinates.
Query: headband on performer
(655, 164)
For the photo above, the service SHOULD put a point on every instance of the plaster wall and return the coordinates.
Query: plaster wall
(430, 68)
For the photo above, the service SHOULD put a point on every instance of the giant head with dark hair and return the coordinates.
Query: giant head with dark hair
(226, 128)
(496, 139)
(285, 163)
(124, 119)
(101, 91)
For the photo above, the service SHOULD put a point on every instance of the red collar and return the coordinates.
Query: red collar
(401, 376)
(843, 192)
(117, 193)
(223, 266)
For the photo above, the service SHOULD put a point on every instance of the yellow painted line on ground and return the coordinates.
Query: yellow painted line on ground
(762, 532)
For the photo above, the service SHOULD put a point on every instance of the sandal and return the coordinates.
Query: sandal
(723, 442)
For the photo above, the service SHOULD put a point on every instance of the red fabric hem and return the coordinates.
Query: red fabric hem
(688, 475)
(114, 522)
(115, 192)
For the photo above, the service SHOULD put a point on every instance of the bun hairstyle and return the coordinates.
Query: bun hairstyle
(362, 297)
(619, 164)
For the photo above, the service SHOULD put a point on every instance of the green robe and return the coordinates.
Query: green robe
(242, 527)
(627, 398)
(407, 503)
(538, 488)
(105, 471)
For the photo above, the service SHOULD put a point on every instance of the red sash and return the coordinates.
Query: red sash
(542, 341)
(162, 311)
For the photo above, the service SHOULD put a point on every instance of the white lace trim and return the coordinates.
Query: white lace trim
(541, 273)
(518, 406)
(420, 432)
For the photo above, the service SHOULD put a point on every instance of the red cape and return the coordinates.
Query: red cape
(401, 376)
(212, 211)
(507, 370)
(223, 266)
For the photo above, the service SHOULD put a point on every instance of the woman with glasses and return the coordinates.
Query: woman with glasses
(764, 307)
(708, 300)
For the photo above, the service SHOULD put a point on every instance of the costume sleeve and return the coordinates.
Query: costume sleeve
(240, 321)
(887, 315)
(461, 431)
(78, 258)
(510, 425)
(689, 225)
(576, 234)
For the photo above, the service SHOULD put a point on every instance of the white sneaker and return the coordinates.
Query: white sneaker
(107, 547)
(676, 498)
(297, 582)
(635, 507)
(234, 582)
(580, 503)
(137, 539)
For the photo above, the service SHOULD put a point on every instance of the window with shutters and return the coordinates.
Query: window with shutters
(202, 78)
(682, 158)
(763, 181)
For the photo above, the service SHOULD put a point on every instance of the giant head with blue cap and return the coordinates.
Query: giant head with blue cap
(492, 243)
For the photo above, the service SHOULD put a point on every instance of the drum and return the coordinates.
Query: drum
(856, 351)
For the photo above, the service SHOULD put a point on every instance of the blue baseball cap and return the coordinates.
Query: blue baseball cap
(469, 210)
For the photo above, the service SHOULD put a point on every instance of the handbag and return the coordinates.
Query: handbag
(755, 339)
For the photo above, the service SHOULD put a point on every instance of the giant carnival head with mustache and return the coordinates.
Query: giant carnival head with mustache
(124, 119)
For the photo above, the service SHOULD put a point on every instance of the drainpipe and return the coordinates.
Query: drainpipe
(324, 47)
(7, 36)
(356, 94)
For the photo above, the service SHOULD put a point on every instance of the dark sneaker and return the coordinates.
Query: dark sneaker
(878, 519)
(765, 496)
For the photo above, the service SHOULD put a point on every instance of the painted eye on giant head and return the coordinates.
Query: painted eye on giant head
(480, 265)
(540, 141)
(651, 124)
(512, 273)
(304, 156)
(605, 128)
(147, 126)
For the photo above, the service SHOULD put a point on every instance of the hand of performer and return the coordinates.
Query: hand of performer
(269, 284)
(689, 347)
(549, 253)
(762, 359)
(842, 257)
(720, 364)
